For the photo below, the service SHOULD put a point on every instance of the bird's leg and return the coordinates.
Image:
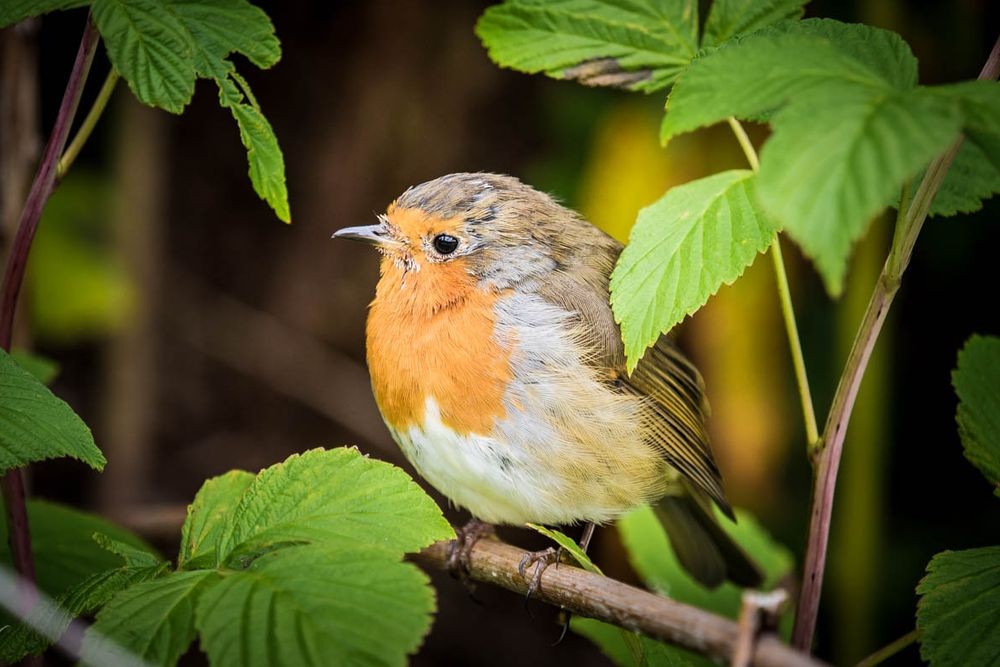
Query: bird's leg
(460, 550)
(567, 616)
(546, 557)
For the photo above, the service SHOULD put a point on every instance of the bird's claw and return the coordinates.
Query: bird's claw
(459, 561)
(541, 560)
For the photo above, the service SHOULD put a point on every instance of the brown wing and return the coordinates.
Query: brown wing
(663, 375)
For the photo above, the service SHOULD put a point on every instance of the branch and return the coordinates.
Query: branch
(831, 445)
(13, 481)
(605, 599)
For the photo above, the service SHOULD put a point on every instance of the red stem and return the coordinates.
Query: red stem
(13, 481)
(827, 461)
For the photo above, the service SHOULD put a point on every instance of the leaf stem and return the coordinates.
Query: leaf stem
(787, 309)
(83, 133)
(830, 448)
(12, 482)
(889, 650)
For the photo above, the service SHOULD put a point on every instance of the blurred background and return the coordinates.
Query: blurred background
(195, 333)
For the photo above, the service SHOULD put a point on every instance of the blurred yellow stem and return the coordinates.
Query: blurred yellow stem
(787, 310)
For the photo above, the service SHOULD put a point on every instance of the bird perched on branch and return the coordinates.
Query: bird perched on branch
(498, 367)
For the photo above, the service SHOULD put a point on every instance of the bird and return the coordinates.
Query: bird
(499, 370)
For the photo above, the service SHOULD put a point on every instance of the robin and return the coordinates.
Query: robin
(499, 369)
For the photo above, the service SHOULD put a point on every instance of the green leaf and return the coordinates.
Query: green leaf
(972, 178)
(14, 11)
(44, 369)
(63, 545)
(980, 104)
(222, 27)
(959, 612)
(153, 619)
(569, 545)
(151, 48)
(333, 497)
(650, 554)
(611, 640)
(81, 600)
(317, 605)
(132, 555)
(682, 249)
(207, 516)
(731, 18)
(977, 383)
(799, 57)
(836, 160)
(267, 164)
(36, 425)
(634, 44)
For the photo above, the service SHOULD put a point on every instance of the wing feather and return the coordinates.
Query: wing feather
(674, 393)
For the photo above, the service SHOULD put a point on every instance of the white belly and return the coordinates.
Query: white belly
(483, 475)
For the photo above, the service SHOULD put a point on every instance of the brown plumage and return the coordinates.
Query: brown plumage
(499, 368)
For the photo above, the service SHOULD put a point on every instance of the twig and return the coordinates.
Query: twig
(889, 650)
(829, 449)
(605, 599)
(756, 604)
(785, 297)
(13, 481)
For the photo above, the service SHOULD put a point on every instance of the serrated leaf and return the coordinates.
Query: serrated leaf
(650, 554)
(799, 57)
(959, 612)
(731, 18)
(36, 425)
(971, 179)
(980, 103)
(267, 164)
(222, 27)
(840, 157)
(333, 497)
(82, 599)
(153, 619)
(682, 249)
(132, 555)
(317, 605)
(15, 11)
(977, 383)
(151, 48)
(611, 640)
(634, 44)
(63, 545)
(44, 369)
(207, 515)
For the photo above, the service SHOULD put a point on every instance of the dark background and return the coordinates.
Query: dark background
(196, 333)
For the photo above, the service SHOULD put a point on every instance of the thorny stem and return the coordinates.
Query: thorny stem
(785, 297)
(828, 453)
(87, 126)
(889, 650)
(13, 481)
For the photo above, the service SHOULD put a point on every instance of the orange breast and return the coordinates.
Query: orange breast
(431, 334)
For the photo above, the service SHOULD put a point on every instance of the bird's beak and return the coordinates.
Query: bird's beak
(374, 234)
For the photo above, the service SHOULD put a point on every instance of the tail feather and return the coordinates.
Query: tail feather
(703, 548)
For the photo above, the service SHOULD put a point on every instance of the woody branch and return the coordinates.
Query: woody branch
(606, 599)
(829, 448)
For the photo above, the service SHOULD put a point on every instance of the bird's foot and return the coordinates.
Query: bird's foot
(541, 560)
(460, 551)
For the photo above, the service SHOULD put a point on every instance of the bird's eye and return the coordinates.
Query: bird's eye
(445, 244)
